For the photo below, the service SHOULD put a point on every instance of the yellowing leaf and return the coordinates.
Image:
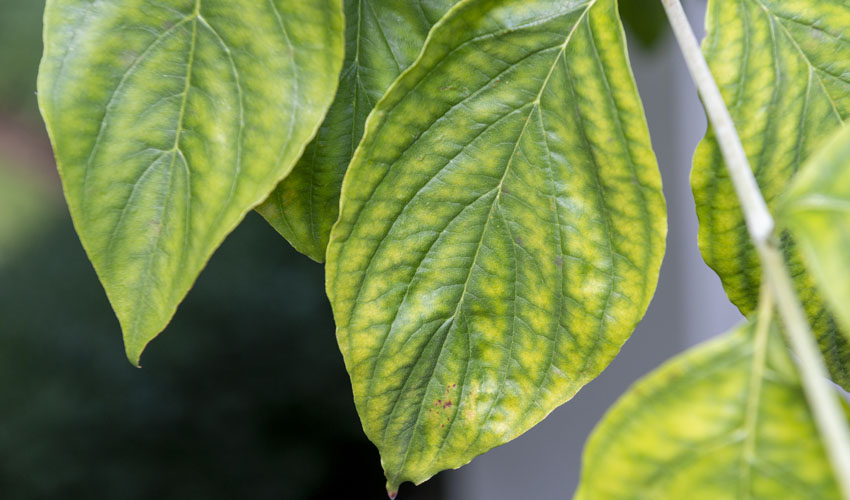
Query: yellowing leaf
(783, 67)
(501, 230)
(170, 120)
(383, 37)
(714, 423)
(817, 211)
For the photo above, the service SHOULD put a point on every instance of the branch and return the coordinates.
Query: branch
(822, 398)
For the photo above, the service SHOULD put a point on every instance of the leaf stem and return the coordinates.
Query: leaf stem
(829, 415)
(763, 322)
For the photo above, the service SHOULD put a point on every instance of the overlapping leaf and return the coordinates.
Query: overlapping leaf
(383, 37)
(717, 422)
(817, 210)
(646, 20)
(784, 69)
(170, 120)
(501, 230)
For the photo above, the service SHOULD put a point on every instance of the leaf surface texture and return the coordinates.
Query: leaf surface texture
(383, 37)
(171, 120)
(501, 230)
(718, 421)
(783, 67)
(817, 211)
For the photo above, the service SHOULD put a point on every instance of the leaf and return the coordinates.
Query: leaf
(383, 37)
(170, 121)
(501, 230)
(783, 67)
(816, 209)
(715, 422)
(646, 20)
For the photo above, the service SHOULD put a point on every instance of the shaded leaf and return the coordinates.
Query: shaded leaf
(383, 37)
(715, 422)
(170, 121)
(816, 209)
(501, 230)
(645, 19)
(783, 67)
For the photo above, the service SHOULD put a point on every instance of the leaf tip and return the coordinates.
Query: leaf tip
(392, 489)
(134, 352)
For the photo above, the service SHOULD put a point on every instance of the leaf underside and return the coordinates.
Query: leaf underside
(501, 230)
(783, 67)
(700, 427)
(817, 211)
(383, 37)
(170, 121)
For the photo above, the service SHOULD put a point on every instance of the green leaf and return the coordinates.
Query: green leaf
(645, 19)
(170, 121)
(816, 209)
(715, 422)
(784, 69)
(501, 230)
(383, 37)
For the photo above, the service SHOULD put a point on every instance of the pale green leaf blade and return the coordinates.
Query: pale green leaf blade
(383, 37)
(783, 67)
(170, 121)
(701, 428)
(501, 230)
(816, 209)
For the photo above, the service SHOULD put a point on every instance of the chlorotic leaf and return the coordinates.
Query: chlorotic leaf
(383, 37)
(715, 422)
(170, 121)
(501, 230)
(816, 209)
(783, 67)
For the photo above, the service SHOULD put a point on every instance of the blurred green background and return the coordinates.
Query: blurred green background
(244, 395)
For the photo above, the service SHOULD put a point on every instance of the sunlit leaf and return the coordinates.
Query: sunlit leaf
(715, 422)
(170, 120)
(784, 69)
(817, 211)
(501, 230)
(383, 37)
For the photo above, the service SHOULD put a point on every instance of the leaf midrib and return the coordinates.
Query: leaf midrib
(175, 149)
(776, 19)
(458, 308)
(818, 202)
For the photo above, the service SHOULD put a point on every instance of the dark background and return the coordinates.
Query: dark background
(244, 396)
